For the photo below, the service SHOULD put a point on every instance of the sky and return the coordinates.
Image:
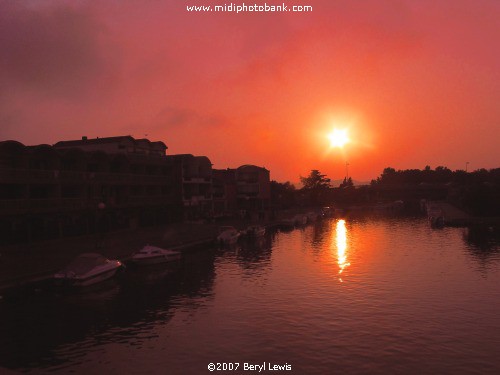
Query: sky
(414, 83)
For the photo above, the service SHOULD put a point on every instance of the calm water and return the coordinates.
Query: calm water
(373, 295)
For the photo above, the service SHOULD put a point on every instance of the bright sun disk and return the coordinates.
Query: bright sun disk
(338, 138)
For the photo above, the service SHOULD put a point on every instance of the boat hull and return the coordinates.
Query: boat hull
(144, 261)
(228, 240)
(94, 279)
(86, 280)
(228, 237)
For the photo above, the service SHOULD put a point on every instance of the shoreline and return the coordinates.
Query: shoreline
(27, 264)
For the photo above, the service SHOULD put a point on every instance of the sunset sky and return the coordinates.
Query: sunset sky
(415, 83)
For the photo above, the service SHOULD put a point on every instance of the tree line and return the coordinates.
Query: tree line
(477, 192)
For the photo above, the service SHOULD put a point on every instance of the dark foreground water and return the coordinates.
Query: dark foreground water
(373, 295)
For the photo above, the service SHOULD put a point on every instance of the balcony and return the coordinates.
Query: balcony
(27, 176)
(196, 180)
(247, 180)
(195, 200)
(22, 206)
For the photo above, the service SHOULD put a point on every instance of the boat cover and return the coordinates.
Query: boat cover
(85, 263)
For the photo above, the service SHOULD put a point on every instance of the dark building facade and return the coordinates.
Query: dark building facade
(193, 185)
(224, 192)
(84, 187)
(91, 186)
(245, 190)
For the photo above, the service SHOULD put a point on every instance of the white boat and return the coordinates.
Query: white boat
(228, 235)
(88, 269)
(153, 255)
(255, 231)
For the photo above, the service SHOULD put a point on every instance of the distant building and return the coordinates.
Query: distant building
(84, 186)
(253, 188)
(116, 145)
(224, 192)
(245, 190)
(87, 186)
(193, 185)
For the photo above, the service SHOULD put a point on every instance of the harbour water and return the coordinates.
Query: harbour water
(372, 295)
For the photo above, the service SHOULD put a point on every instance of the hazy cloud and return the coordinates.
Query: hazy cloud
(171, 118)
(56, 50)
(264, 86)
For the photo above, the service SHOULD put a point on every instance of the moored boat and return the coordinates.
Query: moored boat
(312, 217)
(435, 215)
(154, 255)
(228, 235)
(88, 269)
(286, 224)
(255, 231)
(300, 220)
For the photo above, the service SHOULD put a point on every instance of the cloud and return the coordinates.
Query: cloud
(54, 49)
(172, 118)
(249, 87)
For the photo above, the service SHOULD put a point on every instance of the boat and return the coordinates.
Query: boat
(312, 217)
(435, 215)
(436, 221)
(300, 220)
(327, 211)
(87, 269)
(255, 231)
(286, 225)
(228, 235)
(338, 212)
(154, 255)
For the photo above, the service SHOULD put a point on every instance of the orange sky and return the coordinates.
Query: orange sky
(415, 82)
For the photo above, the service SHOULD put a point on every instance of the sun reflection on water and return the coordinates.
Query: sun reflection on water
(341, 243)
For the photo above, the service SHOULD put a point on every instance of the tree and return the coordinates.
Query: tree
(347, 183)
(282, 194)
(315, 181)
(316, 188)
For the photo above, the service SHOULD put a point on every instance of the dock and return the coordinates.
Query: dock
(455, 217)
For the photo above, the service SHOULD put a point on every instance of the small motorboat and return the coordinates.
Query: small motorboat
(435, 216)
(255, 231)
(87, 269)
(228, 235)
(154, 255)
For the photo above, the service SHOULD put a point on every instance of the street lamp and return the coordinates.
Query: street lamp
(346, 170)
(466, 165)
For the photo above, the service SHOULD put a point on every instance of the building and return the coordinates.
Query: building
(91, 186)
(224, 192)
(253, 188)
(193, 185)
(116, 145)
(245, 190)
(83, 187)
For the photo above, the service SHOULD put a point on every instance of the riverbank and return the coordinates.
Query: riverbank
(26, 263)
(29, 263)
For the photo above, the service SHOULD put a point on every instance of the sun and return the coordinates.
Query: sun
(338, 138)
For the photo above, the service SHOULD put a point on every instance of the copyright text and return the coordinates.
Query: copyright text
(246, 366)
